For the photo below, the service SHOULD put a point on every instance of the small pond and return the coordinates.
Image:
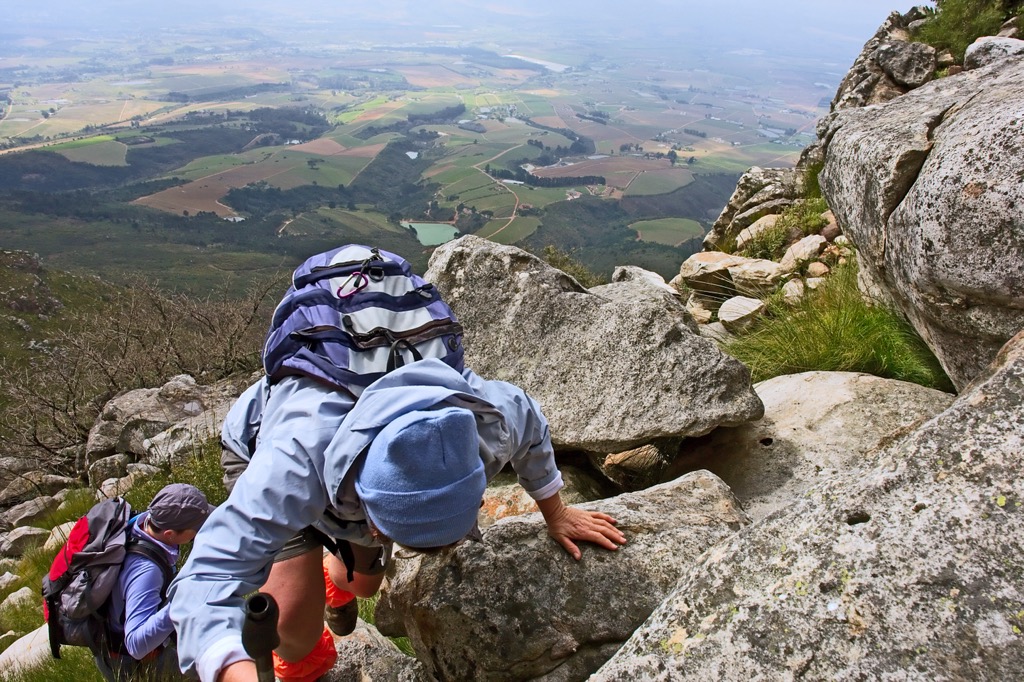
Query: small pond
(433, 234)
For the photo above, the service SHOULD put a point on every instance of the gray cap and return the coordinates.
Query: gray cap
(179, 506)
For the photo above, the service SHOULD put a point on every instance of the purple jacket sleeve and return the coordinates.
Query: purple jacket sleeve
(146, 624)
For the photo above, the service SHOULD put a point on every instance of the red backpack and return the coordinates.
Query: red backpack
(85, 571)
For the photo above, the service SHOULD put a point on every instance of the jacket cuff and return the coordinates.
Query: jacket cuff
(549, 489)
(220, 655)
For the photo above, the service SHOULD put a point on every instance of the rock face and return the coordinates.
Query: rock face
(760, 192)
(130, 420)
(910, 570)
(613, 368)
(816, 425)
(990, 49)
(928, 187)
(366, 656)
(517, 607)
(888, 66)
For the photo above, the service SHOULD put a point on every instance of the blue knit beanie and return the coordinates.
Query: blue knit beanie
(422, 479)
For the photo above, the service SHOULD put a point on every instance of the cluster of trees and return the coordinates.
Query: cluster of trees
(443, 116)
(289, 121)
(473, 127)
(581, 144)
(261, 199)
(365, 80)
(595, 116)
(695, 132)
(226, 94)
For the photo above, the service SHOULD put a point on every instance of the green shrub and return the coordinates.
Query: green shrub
(557, 258)
(812, 188)
(958, 23)
(74, 506)
(834, 329)
(805, 216)
(768, 244)
(801, 218)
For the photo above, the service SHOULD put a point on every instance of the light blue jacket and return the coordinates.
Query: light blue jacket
(308, 441)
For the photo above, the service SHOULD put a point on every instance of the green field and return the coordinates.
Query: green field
(658, 183)
(101, 150)
(669, 231)
(519, 229)
(208, 165)
(122, 92)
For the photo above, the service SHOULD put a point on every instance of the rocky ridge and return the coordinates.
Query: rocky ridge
(815, 526)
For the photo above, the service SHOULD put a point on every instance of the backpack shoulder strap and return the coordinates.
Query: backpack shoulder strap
(143, 547)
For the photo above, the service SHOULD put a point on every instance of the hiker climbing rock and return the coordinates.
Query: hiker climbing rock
(368, 433)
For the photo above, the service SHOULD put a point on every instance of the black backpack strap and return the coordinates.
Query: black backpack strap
(53, 629)
(143, 547)
(342, 550)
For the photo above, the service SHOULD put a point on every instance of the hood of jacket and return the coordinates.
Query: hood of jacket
(422, 385)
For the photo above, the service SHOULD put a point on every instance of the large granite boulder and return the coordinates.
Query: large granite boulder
(929, 188)
(135, 422)
(28, 652)
(816, 425)
(908, 570)
(990, 49)
(518, 607)
(760, 192)
(886, 68)
(613, 367)
(33, 484)
(367, 656)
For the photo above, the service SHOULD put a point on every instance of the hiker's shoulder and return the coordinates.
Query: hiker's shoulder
(498, 393)
(297, 395)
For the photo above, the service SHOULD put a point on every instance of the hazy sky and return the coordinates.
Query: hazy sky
(785, 26)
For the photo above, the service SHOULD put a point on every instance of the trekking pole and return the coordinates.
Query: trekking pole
(259, 633)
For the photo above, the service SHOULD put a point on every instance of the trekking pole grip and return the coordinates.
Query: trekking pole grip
(259, 633)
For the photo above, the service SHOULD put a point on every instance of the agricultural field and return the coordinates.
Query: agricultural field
(321, 162)
(505, 232)
(102, 150)
(670, 231)
(360, 225)
(629, 105)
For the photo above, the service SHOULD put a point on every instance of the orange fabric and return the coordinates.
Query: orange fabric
(320, 660)
(335, 595)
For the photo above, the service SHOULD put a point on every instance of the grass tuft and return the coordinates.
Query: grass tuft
(835, 329)
(564, 261)
(367, 610)
(768, 244)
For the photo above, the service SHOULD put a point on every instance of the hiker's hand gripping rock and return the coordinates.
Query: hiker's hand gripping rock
(566, 524)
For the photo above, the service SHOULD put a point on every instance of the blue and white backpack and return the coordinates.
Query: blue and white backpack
(355, 313)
